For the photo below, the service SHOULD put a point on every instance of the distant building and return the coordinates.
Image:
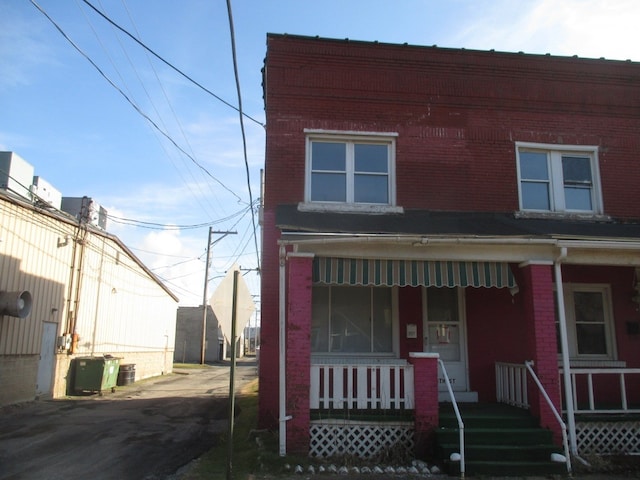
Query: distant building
(70, 290)
(188, 348)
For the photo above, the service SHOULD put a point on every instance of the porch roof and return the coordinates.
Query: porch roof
(423, 222)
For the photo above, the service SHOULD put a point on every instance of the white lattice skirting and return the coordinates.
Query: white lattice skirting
(605, 438)
(331, 438)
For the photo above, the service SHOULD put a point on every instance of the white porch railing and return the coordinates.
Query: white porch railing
(622, 374)
(511, 388)
(511, 384)
(340, 386)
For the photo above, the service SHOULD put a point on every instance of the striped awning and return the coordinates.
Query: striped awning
(375, 272)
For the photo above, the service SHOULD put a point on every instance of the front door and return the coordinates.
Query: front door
(445, 333)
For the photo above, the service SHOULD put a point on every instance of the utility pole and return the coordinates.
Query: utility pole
(203, 347)
(232, 395)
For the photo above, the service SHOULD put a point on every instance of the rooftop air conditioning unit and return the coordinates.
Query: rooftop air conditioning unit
(16, 174)
(45, 192)
(87, 210)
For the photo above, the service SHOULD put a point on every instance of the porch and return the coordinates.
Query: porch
(603, 412)
(375, 409)
(366, 407)
(346, 399)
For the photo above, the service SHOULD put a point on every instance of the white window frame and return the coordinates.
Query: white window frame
(556, 183)
(572, 337)
(350, 138)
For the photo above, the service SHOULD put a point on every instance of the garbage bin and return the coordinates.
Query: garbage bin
(96, 374)
(127, 374)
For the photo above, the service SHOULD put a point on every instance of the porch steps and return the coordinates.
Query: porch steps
(499, 440)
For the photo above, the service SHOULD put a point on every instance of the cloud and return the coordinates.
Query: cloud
(587, 28)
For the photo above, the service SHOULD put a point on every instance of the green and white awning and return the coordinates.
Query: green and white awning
(375, 272)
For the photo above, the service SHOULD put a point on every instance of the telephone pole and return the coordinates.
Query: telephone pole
(204, 293)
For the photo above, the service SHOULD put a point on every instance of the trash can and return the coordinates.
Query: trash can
(96, 374)
(127, 374)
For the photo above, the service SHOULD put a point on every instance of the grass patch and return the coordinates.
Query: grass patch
(255, 453)
(190, 366)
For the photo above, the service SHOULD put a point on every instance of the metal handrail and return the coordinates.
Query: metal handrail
(563, 425)
(458, 416)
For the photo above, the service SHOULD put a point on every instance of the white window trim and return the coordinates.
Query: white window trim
(605, 289)
(395, 333)
(350, 136)
(557, 188)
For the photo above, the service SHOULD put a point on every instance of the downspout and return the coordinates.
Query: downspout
(282, 372)
(566, 365)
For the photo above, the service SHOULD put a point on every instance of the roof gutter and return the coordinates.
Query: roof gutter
(418, 241)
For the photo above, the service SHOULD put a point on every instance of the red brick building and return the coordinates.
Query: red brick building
(426, 205)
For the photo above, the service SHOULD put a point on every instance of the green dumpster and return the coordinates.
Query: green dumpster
(96, 374)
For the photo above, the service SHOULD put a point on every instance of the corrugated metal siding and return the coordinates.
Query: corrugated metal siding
(120, 307)
(30, 259)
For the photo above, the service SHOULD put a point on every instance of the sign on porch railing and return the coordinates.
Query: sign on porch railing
(361, 386)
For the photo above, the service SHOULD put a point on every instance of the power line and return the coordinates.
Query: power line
(244, 137)
(162, 226)
(161, 255)
(239, 110)
(132, 103)
(205, 198)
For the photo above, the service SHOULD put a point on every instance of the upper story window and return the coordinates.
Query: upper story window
(350, 170)
(554, 178)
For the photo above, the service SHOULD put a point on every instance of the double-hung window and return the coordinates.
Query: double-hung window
(350, 169)
(553, 178)
(589, 322)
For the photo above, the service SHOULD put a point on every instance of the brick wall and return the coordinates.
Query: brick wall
(18, 378)
(298, 355)
(268, 367)
(147, 364)
(538, 296)
(426, 415)
(457, 114)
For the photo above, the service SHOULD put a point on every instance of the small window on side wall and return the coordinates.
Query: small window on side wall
(351, 170)
(563, 179)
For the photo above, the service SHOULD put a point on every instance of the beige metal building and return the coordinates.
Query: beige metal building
(81, 293)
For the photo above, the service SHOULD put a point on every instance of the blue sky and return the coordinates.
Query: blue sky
(85, 138)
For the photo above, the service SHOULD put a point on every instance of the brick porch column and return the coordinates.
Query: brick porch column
(298, 351)
(541, 342)
(425, 375)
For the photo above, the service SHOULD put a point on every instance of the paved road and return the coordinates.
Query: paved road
(143, 431)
